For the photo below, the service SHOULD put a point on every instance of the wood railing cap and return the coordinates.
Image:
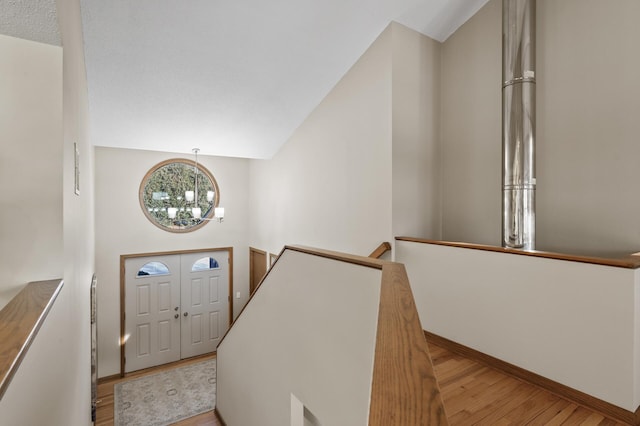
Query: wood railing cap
(342, 257)
(630, 261)
(20, 321)
(380, 250)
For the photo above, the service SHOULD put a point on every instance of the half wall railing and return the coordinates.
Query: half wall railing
(569, 323)
(334, 337)
(20, 321)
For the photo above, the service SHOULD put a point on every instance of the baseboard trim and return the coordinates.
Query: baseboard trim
(106, 379)
(576, 396)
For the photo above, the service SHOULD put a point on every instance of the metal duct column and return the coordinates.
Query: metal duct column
(518, 124)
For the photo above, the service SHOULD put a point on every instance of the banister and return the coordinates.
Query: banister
(380, 250)
(20, 321)
(404, 389)
(629, 261)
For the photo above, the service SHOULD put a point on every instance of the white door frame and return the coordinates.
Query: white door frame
(124, 257)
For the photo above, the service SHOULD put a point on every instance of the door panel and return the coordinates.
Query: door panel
(164, 297)
(196, 292)
(205, 293)
(152, 332)
(143, 347)
(196, 329)
(214, 329)
(143, 299)
(164, 336)
(214, 282)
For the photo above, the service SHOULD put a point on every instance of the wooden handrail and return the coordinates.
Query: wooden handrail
(380, 250)
(20, 321)
(341, 257)
(404, 389)
(631, 261)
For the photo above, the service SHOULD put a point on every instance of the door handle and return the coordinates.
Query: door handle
(175, 309)
(176, 316)
(186, 313)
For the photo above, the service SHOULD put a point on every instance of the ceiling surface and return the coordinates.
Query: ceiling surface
(234, 78)
(34, 20)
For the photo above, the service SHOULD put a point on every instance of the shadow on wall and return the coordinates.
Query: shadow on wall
(7, 294)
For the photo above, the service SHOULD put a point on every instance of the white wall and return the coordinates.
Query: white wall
(588, 101)
(30, 164)
(364, 166)
(79, 232)
(415, 134)
(574, 323)
(52, 385)
(588, 109)
(311, 331)
(330, 184)
(471, 129)
(122, 228)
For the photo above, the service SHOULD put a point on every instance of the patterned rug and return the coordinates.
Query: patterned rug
(164, 398)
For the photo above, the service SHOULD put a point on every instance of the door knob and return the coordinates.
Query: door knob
(186, 313)
(176, 316)
(175, 309)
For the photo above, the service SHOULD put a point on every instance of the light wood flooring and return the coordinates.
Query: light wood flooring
(473, 394)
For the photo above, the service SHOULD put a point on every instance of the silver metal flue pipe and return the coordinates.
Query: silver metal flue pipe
(518, 124)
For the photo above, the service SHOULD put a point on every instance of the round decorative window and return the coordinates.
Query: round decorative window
(176, 198)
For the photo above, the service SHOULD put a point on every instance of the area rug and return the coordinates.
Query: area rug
(165, 398)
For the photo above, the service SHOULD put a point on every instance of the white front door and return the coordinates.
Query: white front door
(176, 306)
(152, 305)
(205, 301)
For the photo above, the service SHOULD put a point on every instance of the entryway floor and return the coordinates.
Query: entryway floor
(104, 414)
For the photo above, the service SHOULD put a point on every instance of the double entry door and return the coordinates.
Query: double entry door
(176, 306)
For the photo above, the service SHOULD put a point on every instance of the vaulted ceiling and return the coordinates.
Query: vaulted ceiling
(234, 78)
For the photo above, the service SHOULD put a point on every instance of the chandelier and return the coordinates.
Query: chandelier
(191, 197)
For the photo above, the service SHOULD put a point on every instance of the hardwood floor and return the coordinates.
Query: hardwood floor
(473, 394)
